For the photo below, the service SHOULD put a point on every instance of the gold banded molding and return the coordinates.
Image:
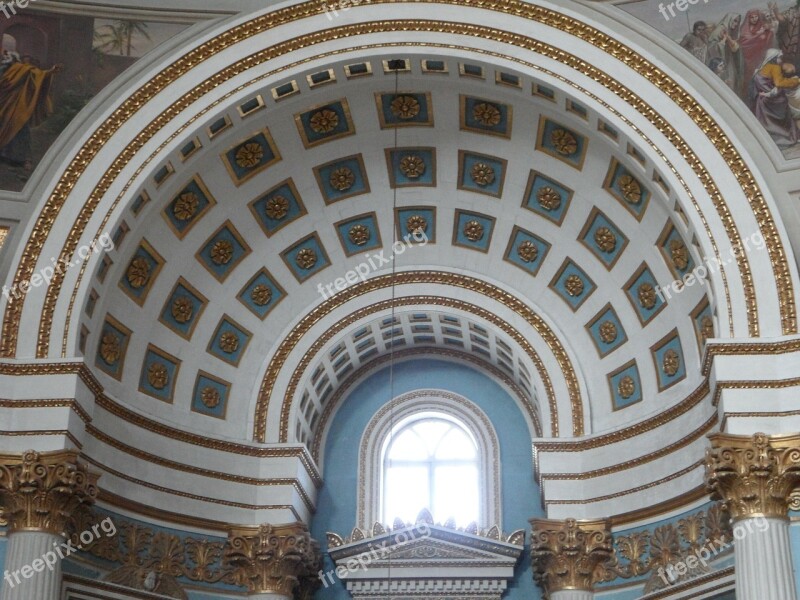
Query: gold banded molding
(695, 435)
(769, 384)
(218, 475)
(755, 415)
(75, 592)
(697, 582)
(70, 403)
(693, 399)
(629, 491)
(417, 278)
(46, 433)
(116, 409)
(744, 349)
(111, 406)
(299, 452)
(110, 499)
(307, 459)
(668, 506)
(166, 490)
(49, 214)
(147, 457)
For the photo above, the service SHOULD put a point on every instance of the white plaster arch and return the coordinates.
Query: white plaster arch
(364, 13)
(133, 176)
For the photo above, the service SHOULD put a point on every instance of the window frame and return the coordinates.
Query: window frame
(431, 463)
(413, 406)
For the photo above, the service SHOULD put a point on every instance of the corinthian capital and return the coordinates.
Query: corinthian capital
(271, 559)
(43, 492)
(566, 554)
(753, 475)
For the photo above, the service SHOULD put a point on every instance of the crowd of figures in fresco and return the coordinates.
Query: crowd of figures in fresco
(757, 54)
(752, 45)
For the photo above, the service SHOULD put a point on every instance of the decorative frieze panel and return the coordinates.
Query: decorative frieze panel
(585, 555)
(672, 553)
(152, 560)
(481, 589)
(425, 559)
(269, 558)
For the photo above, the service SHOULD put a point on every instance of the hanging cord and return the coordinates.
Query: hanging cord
(395, 226)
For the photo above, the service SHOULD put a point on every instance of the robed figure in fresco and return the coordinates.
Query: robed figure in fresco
(696, 42)
(757, 36)
(769, 96)
(24, 102)
(723, 43)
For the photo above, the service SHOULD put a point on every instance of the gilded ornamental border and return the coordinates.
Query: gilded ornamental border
(134, 418)
(49, 214)
(676, 475)
(684, 406)
(416, 278)
(188, 495)
(692, 437)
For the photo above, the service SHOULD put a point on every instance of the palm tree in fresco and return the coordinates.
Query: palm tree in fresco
(118, 37)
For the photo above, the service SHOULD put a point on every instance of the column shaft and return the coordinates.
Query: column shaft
(26, 554)
(763, 560)
(572, 595)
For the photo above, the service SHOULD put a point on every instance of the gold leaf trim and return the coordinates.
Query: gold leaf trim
(417, 278)
(613, 47)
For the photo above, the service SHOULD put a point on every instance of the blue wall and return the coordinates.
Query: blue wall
(794, 539)
(3, 542)
(337, 499)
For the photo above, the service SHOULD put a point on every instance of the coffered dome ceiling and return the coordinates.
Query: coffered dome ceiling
(292, 208)
(543, 234)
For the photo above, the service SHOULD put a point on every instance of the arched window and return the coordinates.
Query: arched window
(431, 462)
(429, 449)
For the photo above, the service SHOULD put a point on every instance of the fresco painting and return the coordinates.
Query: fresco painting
(752, 46)
(51, 66)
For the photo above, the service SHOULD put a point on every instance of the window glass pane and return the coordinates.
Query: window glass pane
(408, 446)
(431, 431)
(406, 493)
(456, 494)
(456, 444)
(431, 463)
